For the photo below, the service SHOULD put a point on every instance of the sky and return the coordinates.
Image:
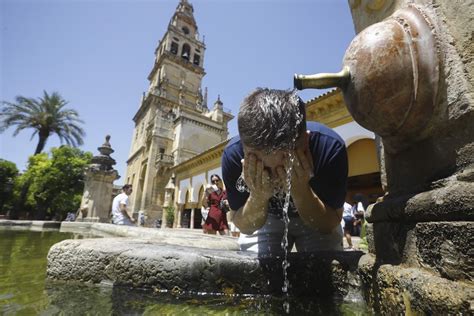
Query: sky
(98, 53)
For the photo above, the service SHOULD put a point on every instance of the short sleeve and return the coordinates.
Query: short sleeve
(330, 183)
(231, 172)
(124, 200)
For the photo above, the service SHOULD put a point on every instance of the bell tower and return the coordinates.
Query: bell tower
(173, 122)
(179, 59)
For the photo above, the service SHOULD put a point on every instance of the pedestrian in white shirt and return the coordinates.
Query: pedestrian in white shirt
(119, 207)
(348, 218)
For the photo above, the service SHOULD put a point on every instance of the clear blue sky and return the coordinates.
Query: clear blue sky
(98, 53)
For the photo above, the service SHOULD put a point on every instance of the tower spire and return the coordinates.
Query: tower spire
(184, 12)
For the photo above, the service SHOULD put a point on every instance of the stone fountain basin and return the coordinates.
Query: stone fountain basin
(212, 266)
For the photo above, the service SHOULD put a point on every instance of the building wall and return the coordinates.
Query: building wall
(362, 156)
(192, 176)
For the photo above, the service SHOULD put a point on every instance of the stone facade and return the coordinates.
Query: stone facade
(192, 176)
(173, 122)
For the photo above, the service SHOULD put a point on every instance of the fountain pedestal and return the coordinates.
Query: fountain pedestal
(420, 233)
(408, 76)
(96, 201)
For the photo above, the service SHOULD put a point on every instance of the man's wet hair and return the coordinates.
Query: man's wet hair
(269, 119)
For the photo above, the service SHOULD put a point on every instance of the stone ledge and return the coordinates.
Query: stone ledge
(396, 290)
(445, 248)
(175, 236)
(453, 201)
(145, 264)
(33, 225)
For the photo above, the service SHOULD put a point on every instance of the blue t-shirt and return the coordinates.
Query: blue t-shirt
(330, 171)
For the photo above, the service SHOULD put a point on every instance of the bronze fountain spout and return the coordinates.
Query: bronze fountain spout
(390, 76)
(322, 80)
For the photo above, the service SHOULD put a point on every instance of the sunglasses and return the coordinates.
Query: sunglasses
(215, 181)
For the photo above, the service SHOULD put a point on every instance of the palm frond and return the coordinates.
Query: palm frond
(46, 115)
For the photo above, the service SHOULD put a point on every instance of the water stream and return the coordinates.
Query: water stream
(286, 219)
(284, 243)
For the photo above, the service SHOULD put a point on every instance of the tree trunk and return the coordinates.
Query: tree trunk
(43, 137)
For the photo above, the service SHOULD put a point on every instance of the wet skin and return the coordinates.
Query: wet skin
(263, 172)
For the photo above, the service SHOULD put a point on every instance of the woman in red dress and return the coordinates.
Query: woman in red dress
(215, 198)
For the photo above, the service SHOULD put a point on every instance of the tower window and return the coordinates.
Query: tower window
(196, 59)
(186, 51)
(185, 30)
(174, 48)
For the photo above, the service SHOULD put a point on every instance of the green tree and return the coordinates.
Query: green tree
(8, 173)
(56, 183)
(46, 115)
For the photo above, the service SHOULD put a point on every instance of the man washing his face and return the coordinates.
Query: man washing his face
(272, 124)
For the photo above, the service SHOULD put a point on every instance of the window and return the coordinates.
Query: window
(174, 48)
(186, 51)
(185, 30)
(197, 59)
(162, 152)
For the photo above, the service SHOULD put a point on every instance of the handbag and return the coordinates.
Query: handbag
(223, 206)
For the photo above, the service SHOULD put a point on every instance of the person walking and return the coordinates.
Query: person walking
(348, 218)
(215, 198)
(119, 207)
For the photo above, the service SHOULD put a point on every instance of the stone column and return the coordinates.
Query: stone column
(179, 213)
(168, 200)
(96, 201)
(191, 219)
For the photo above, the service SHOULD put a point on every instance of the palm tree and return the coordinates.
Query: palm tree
(46, 115)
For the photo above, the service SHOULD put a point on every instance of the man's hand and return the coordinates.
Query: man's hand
(253, 214)
(302, 170)
(257, 178)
